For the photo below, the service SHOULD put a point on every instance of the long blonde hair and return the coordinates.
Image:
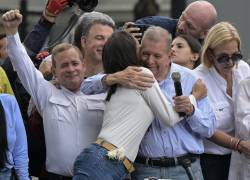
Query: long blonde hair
(218, 35)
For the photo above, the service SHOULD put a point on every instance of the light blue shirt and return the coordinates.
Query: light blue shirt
(186, 136)
(17, 154)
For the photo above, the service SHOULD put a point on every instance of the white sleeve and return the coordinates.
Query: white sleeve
(159, 104)
(31, 78)
(242, 109)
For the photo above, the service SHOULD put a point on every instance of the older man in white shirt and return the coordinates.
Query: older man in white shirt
(72, 120)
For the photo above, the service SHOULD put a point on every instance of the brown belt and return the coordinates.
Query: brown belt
(126, 162)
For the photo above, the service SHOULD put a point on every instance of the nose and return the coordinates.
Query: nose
(181, 27)
(150, 60)
(70, 68)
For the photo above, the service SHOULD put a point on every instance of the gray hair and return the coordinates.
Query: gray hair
(87, 20)
(156, 33)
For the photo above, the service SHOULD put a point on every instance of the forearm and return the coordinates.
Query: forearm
(225, 140)
(34, 41)
(203, 120)
(94, 85)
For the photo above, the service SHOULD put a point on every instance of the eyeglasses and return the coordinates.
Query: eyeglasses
(224, 58)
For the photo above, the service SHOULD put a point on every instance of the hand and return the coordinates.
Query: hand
(42, 55)
(199, 90)
(244, 147)
(131, 77)
(11, 21)
(54, 7)
(183, 104)
(131, 28)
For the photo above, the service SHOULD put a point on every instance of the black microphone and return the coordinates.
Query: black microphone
(176, 76)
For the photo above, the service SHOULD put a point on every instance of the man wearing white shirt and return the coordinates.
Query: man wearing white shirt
(72, 120)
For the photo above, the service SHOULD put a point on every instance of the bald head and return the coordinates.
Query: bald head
(197, 19)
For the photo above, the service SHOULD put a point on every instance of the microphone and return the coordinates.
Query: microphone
(176, 76)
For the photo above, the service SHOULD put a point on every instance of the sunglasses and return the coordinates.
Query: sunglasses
(225, 58)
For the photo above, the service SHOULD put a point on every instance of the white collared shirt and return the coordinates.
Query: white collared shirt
(221, 102)
(71, 120)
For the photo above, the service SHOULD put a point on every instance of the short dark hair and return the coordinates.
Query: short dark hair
(194, 45)
(119, 52)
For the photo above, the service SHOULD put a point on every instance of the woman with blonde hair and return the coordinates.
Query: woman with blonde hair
(222, 69)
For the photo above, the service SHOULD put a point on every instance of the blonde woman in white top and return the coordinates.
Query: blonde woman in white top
(128, 114)
(222, 69)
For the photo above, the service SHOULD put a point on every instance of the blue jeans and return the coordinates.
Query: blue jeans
(94, 164)
(174, 173)
(5, 174)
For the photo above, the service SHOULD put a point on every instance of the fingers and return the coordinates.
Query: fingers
(183, 104)
(132, 77)
(11, 15)
(133, 68)
(131, 28)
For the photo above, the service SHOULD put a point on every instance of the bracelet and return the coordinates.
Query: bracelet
(237, 146)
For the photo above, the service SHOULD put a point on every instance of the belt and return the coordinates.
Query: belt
(166, 161)
(126, 162)
(58, 177)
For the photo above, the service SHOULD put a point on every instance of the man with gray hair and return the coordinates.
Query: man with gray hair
(90, 35)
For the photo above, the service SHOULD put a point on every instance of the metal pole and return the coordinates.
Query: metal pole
(23, 26)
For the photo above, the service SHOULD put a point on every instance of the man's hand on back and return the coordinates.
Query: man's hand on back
(132, 77)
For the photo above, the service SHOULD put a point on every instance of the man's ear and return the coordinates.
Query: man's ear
(83, 41)
(53, 71)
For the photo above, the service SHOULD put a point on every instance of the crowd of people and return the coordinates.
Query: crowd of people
(168, 102)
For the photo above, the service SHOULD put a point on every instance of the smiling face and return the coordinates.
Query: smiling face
(94, 41)
(155, 54)
(182, 54)
(69, 69)
(228, 48)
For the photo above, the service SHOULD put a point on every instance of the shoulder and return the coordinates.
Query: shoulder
(7, 98)
(8, 101)
(185, 72)
(162, 21)
(245, 83)
(243, 65)
(146, 70)
(2, 70)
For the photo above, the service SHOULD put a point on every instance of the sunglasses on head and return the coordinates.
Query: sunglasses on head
(225, 58)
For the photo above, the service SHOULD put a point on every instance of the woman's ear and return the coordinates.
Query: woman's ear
(210, 54)
(195, 56)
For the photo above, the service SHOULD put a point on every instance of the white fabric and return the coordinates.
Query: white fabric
(240, 165)
(129, 113)
(221, 102)
(71, 120)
